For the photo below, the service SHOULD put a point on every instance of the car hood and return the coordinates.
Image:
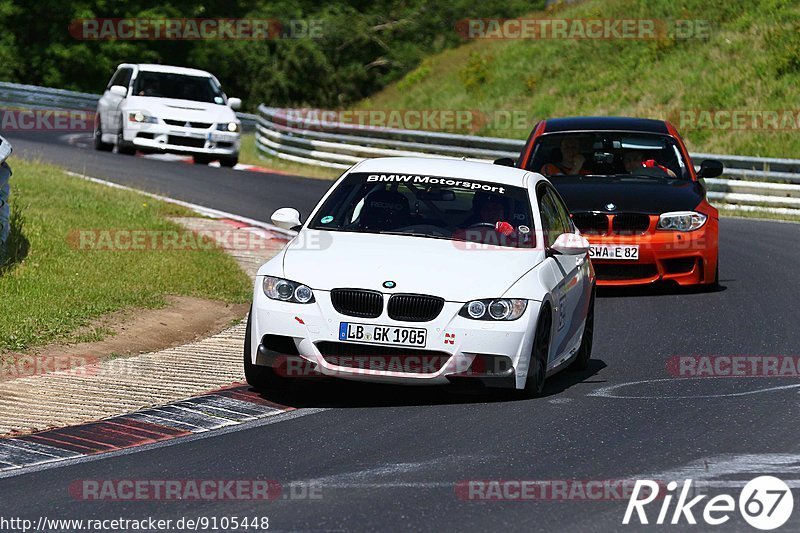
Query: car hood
(326, 260)
(629, 193)
(188, 110)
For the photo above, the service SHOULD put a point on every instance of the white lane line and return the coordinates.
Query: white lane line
(199, 209)
(611, 390)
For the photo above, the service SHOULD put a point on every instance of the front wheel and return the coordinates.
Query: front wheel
(537, 366)
(229, 162)
(98, 137)
(581, 362)
(715, 283)
(124, 147)
(257, 376)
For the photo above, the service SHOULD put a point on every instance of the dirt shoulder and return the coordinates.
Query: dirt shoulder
(136, 331)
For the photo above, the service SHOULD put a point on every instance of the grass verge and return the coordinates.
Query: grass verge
(49, 288)
(744, 58)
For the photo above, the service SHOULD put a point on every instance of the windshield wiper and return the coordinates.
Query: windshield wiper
(415, 234)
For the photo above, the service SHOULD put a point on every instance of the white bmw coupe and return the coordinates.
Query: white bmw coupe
(426, 271)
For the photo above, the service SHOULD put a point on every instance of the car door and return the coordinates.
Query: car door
(569, 269)
(579, 285)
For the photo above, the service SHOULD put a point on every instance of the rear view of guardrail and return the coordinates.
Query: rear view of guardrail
(750, 183)
(19, 96)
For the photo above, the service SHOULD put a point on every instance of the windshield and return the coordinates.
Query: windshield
(608, 153)
(178, 86)
(429, 206)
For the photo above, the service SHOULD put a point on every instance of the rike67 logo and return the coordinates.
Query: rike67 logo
(765, 503)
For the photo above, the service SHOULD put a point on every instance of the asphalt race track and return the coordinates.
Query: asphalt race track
(389, 458)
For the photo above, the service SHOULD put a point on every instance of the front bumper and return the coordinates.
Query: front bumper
(685, 258)
(457, 349)
(165, 138)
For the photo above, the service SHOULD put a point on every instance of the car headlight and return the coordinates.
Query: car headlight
(232, 127)
(681, 221)
(494, 309)
(140, 117)
(287, 291)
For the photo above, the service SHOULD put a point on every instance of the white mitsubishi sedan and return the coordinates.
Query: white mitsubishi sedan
(164, 109)
(426, 271)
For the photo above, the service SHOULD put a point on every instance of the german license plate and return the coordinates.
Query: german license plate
(377, 334)
(216, 137)
(614, 252)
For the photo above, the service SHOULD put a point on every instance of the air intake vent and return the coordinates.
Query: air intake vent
(414, 307)
(591, 223)
(357, 302)
(630, 223)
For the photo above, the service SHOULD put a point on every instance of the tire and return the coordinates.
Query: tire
(581, 362)
(124, 147)
(229, 162)
(258, 377)
(715, 283)
(537, 366)
(97, 140)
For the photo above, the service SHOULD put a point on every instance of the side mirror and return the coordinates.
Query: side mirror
(119, 90)
(571, 244)
(505, 162)
(235, 103)
(286, 218)
(710, 168)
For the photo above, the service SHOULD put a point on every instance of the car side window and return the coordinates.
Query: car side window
(125, 80)
(563, 212)
(121, 77)
(551, 223)
(114, 79)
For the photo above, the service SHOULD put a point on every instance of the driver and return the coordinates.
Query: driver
(149, 88)
(634, 160)
(491, 211)
(572, 160)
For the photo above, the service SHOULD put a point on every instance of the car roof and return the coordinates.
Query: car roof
(149, 67)
(450, 168)
(554, 125)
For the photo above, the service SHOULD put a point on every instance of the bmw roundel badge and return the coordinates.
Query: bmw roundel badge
(389, 284)
(610, 206)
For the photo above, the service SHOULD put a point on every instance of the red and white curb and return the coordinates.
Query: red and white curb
(190, 160)
(226, 407)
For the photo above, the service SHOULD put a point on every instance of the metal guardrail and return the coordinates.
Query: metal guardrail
(749, 183)
(16, 95)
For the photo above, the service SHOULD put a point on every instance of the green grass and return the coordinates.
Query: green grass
(249, 155)
(49, 288)
(749, 61)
